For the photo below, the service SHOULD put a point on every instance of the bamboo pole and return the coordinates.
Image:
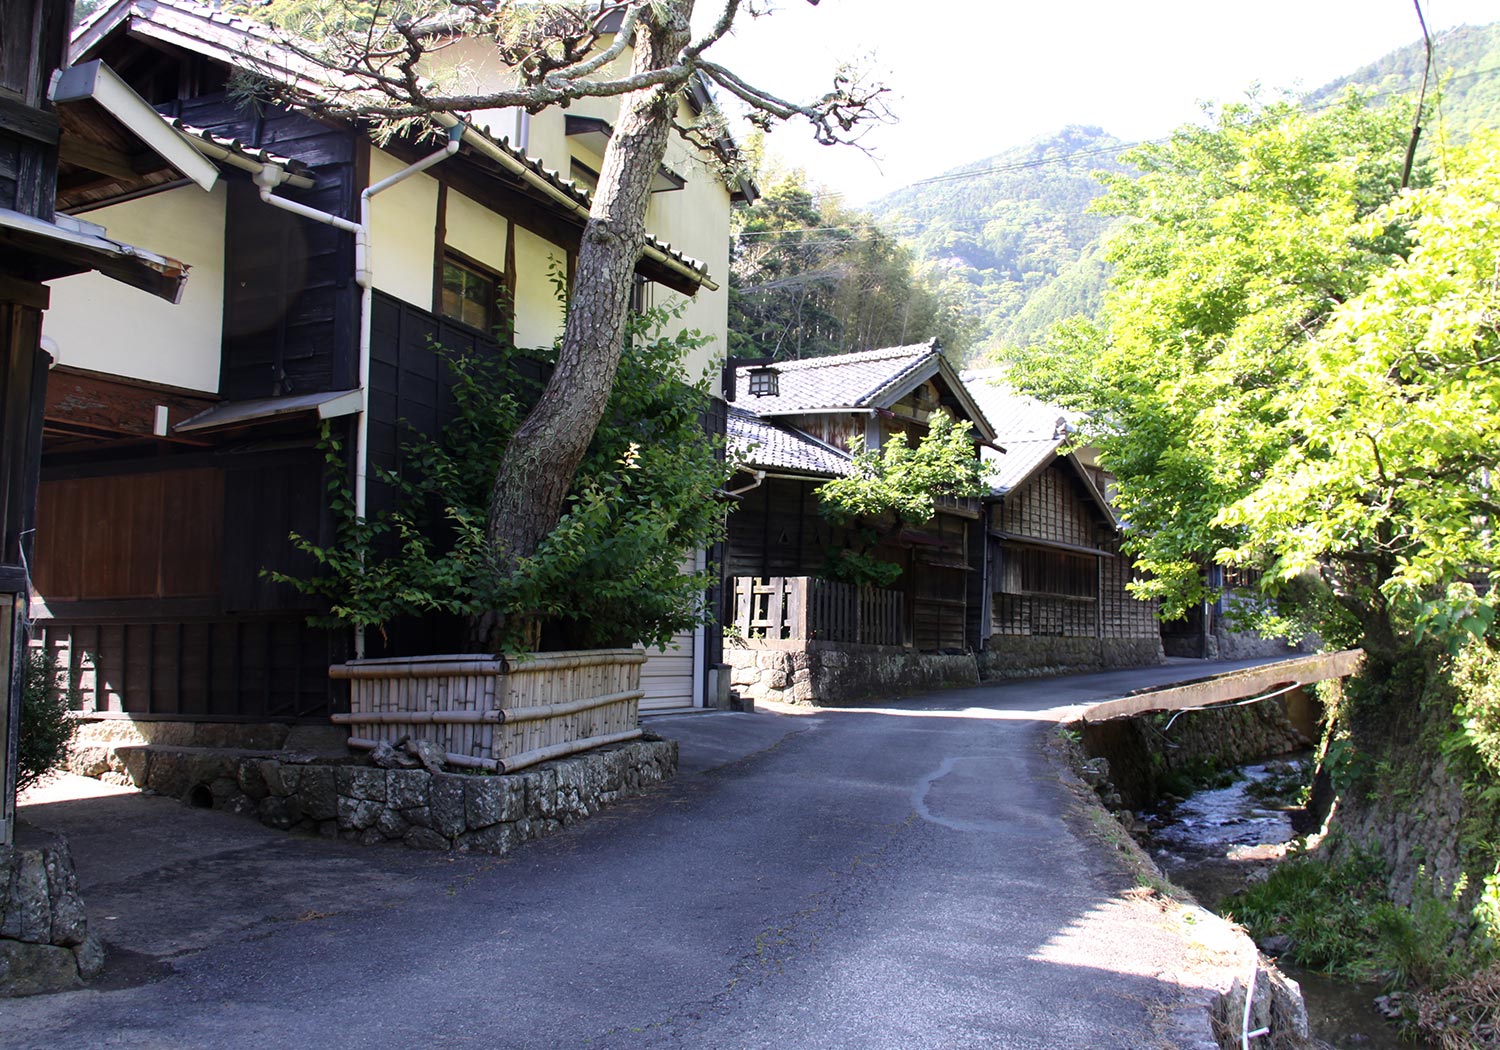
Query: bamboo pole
(521, 761)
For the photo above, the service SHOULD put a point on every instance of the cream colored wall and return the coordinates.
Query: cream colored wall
(403, 227)
(693, 220)
(103, 325)
(476, 231)
(539, 316)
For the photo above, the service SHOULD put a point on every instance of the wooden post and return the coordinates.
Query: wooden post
(797, 614)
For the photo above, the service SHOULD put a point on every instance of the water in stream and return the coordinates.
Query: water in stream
(1218, 840)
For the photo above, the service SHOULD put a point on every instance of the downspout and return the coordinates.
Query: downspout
(268, 178)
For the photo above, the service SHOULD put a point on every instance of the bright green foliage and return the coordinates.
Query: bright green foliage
(899, 483)
(608, 574)
(810, 278)
(906, 480)
(47, 726)
(1242, 238)
(1394, 425)
(1339, 921)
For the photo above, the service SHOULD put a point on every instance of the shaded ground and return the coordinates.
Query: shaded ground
(913, 875)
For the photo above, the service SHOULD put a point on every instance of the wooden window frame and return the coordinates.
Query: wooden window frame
(495, 318)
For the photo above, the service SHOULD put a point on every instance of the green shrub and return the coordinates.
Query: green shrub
(47, 726)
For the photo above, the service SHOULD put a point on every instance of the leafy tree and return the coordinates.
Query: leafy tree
(609, 573)
(810, 278)
(1392, 428)
(390, 69)
(899, 484)
(1241, 238)
(47, 726)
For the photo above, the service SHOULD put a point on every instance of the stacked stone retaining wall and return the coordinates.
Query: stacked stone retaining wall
(1141, 749)
(829, 674)
(1036, 656)
(351, 799)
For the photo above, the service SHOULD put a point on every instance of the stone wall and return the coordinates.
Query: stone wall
(1141, 749)
(45, 944)
(1030, 656)
(350, 798)
(104, 747)
(830, 674)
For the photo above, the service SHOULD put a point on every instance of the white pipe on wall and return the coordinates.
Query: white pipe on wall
(268, 178)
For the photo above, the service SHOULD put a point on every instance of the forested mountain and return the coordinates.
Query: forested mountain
(1011, 235)
(1006, 234)
(1464, 87)
(809, 277)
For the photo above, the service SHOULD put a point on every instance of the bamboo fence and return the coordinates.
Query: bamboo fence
(496, 714)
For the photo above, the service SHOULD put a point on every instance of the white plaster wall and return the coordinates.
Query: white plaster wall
(103, 325)
(403, 221)
(476, 231)
(539, 316)
(693, 220)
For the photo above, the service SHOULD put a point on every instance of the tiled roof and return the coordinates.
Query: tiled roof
(762, 444)
(1020, 460)
(1014, 416)
(843, 381)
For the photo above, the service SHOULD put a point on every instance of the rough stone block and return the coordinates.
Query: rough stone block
(318, 793)
(279, 779)
(28, 912)
(137, 764)
(425, 838)
(447, 803)
(167, 774)
(362, 782)
(223, 788)
(483, 802)
(70, 924)
(276, 812)
(497, 838)
(370, 837)
(357, 814)
(89, 761)
(251, 781)
(391, 824)
(90, 958)
(407, 788)
(35, 969)
(421, 816)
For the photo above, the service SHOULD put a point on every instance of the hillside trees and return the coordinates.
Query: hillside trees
(642, 52)
(1299, 371)
(810, 278)
(1241, 239)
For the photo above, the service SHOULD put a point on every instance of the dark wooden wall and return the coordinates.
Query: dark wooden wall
(1044, 591)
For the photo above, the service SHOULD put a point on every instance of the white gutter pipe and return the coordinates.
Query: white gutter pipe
(268, 178)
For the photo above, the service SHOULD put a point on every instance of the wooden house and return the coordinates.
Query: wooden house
(790, 426)
(1052, 594)
(181, 448)
(41, 138)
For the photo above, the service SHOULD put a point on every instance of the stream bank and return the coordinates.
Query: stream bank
(1216, 841)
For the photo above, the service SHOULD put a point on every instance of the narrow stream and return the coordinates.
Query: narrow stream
(1216, 842)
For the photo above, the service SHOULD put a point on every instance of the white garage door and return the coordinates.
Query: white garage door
(667, 677)
(672, 679)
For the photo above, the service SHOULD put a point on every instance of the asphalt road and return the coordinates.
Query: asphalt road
(918, 874)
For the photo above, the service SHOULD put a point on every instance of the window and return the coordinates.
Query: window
(469, 293)
(1030, 570)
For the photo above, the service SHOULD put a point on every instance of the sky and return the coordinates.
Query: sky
(969, 78)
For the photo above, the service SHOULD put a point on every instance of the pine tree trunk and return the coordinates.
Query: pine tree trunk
(537, 471)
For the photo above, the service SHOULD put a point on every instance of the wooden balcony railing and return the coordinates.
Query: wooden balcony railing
(784, 608)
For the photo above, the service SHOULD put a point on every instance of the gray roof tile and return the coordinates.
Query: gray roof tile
(762, 444)
(843, 381)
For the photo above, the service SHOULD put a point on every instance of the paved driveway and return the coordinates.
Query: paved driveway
(917, 874)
